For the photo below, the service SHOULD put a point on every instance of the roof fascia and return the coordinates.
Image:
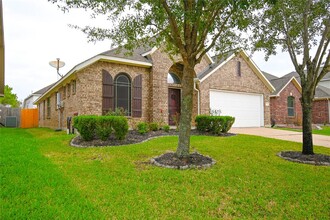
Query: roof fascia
(294, 81)
(149, 52)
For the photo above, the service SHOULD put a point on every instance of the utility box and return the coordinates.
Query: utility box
(11, 121)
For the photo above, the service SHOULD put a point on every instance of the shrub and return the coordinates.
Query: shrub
(153, 126)
(120, 126)
(117, 112)
(166, 128)
(214, 124)
(104, 127)
(142, 127)
(86, 125)
(229, 121)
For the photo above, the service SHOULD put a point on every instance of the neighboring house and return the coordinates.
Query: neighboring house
(2, 54)
(28, 101)
(285, 100)
(147, 84)
(325, 81)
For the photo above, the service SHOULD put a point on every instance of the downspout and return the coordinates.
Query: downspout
(196, 81)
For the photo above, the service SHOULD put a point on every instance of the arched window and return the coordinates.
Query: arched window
(123, 93)
(173, 78)
(291, 106)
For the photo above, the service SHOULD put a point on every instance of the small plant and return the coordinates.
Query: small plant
(166, 128)
(117, 112)
(153, 126)
(142, 127)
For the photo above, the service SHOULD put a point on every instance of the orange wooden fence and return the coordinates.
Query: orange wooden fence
(29, 118)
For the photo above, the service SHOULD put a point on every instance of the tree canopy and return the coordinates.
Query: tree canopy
(9, 98)
(302, 28)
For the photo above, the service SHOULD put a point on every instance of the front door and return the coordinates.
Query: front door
(174, 105)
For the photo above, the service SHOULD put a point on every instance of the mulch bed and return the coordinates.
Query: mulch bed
(315, 159)
(134, 137)
(194, 160)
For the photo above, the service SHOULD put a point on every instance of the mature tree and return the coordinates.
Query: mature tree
(188, 28)
(299, 26)
(9, 98)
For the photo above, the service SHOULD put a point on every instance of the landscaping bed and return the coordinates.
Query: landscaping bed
(134, 137)
(315, 159)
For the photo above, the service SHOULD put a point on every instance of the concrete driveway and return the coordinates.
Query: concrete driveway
(319, 140)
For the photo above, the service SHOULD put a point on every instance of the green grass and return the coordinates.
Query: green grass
(42, 177)
(325, 130)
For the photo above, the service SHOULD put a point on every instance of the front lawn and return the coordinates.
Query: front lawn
(42, 177)
(325, 130)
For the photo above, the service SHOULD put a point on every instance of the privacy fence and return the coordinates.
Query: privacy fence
(16, 117)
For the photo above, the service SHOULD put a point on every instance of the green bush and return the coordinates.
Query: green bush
(120, 127)
(117, 112)
(229, 121)
(103, 126)
(142, 127)
(214, 124)
(153, 126)
(166, 128)
(86, 125)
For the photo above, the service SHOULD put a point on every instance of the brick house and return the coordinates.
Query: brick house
(147, 84)
(285, 104)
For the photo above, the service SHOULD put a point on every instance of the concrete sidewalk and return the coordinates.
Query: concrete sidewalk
(319, 140)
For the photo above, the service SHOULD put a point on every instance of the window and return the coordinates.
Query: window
(44, 110)
(291, 106)
(69, 89)
(64, 92)
(39, 113)
(48, 108)
(173, 78)
(239, 68)
(123, 93)
(73, 87)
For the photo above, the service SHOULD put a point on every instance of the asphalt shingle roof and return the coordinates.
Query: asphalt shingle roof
(43, 90)
(279, 83)
(322, 92)
(135, 55)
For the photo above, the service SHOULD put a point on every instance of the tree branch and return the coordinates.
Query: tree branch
(317, 59)
(215, 38)
(325, 67)
(306, 57)
(210, 21)
(175, 29)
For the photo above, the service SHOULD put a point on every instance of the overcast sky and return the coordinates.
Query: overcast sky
(37, 32)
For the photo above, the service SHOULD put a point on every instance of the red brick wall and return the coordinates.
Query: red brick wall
(320, 112)
(278, 106)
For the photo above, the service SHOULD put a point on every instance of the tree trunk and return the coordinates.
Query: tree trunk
(307, 124)
(186, 112)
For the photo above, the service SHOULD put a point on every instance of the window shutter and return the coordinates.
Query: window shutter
(107, 92)
(137, 96)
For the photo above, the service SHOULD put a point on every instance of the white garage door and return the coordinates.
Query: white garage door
(246, 108)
